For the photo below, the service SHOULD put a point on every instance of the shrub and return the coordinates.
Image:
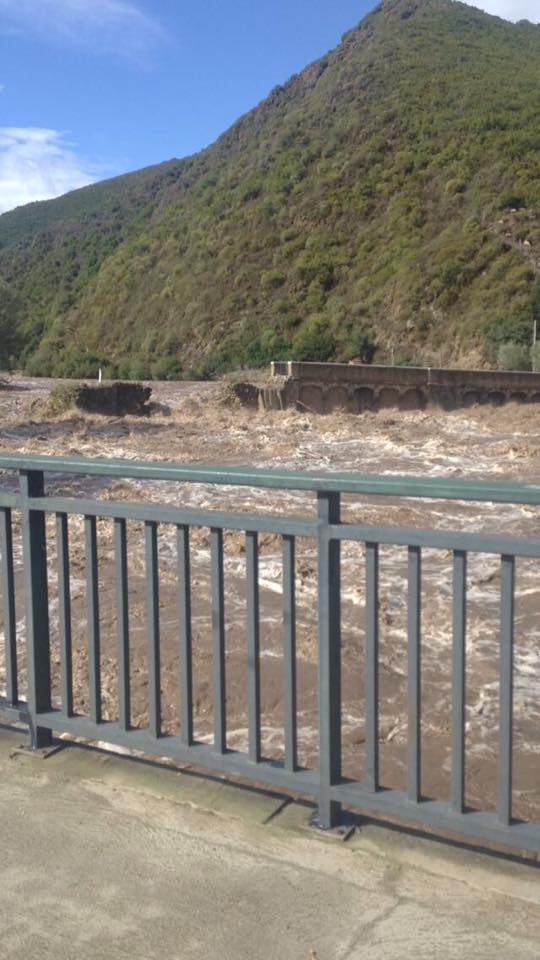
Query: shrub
(123, 368)
(272, 279)
(166, 368)
(513, 201)
(513, 356)
(82, 365)
(507, 329)
(139, 370)
(312, 266)
(39, 365)
(62, 397)
(455, 186)
(535, 302)
(535, 357)
(363, 345)
(268, 346)
(314, 342)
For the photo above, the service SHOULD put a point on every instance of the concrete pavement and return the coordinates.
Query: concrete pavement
(104, 857)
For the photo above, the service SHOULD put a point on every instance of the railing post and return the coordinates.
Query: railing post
(506, 691)
(10, 620)
(329, 643)
(371, 669)
(414, 675)
(36, 595)
(459, 652)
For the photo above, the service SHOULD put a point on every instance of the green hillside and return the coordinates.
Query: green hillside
(388, 196)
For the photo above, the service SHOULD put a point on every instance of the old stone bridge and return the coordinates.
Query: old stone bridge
(324, 387)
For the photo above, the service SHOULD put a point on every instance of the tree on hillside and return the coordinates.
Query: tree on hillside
(506, 329)
(8, 319)
(535, 302)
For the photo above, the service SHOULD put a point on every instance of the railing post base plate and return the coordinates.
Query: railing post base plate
(39, 738)
(37, 753)
(338, 826)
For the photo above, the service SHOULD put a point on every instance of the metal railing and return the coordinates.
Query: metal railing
(327, 784)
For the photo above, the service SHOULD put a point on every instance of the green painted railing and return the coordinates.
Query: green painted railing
(390, 485)
(31, 501)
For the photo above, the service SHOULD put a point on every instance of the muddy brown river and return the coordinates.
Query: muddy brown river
(196, 423)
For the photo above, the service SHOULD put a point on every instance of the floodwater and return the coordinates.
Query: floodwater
(198, 423)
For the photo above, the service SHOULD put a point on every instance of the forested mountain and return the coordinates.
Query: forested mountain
(388, 196)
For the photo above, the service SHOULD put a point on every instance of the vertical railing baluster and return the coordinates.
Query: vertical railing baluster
(218, 640)
(184, 616)
(152, 618)
(414, 764)
(122, 625)
(506, 687)
(253, 647)
(64, 614)
(459, 633)
(289, 654)
(8, 594)
(371, 684)
(36, 593)
(92, 613)
(329, 652)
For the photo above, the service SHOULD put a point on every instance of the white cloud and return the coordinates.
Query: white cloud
(38, 164)
(101, 26)
(511, 9)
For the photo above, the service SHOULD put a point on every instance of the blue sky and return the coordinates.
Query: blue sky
(92, 88)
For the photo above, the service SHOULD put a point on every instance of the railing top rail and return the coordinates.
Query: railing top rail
(440, 488)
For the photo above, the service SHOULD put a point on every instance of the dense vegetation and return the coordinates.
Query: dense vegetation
(384, 202)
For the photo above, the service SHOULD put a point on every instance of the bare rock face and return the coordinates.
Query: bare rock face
(118, 399)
